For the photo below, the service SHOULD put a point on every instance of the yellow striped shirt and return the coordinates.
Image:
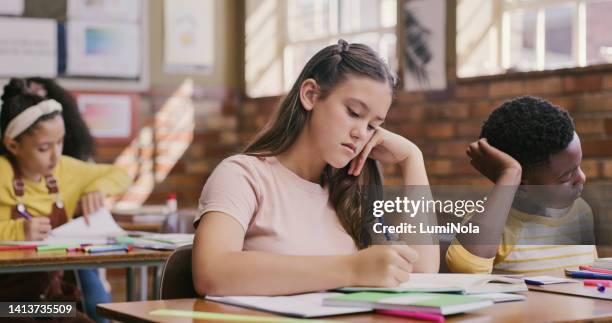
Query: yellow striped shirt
(532, 243)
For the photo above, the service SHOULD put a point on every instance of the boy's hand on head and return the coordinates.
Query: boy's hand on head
(384, 146)
(90, 203)
(37, 228)
(385, 266)
(492, 162)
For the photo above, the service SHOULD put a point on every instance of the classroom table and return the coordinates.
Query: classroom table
(539, 307)
(19, 261)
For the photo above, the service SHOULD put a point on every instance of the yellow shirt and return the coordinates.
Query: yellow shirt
(532, 243)
(74, 178)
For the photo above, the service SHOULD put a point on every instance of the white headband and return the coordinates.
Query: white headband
(27, 118)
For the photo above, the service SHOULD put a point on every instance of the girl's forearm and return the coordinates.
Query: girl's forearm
(262, 273)
(413, 168)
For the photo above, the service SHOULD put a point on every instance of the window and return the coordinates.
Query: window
(282, 35)
(499, 36)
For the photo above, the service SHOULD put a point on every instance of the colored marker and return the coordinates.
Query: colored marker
(596, 282)
(16, 247)
(62, 247)
(414, 315)
(108, 248)
(596, 270)
(589, 275)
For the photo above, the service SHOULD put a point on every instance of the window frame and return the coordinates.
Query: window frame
(331, 38)
(579, 36)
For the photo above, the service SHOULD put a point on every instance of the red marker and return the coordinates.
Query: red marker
(16, 247)
(596, 282)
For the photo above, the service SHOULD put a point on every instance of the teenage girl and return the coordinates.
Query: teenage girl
(287, 216)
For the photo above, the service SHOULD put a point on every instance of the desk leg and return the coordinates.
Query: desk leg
(144, 286)
(129, 278)
(156, 279)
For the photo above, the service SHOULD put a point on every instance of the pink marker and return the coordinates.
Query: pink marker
(413, 315)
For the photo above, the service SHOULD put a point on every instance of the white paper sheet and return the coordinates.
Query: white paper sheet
(302, 305)
(101, 225)
(104, 10)
(103, 49)
(431, 15)
(189, 36)
(466, 283)
(28, 47)
(102, 229)
(12, 7)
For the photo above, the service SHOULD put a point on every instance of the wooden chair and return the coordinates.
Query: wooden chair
(176, 281)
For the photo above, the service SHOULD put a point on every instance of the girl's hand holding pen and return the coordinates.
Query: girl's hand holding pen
(382, 266)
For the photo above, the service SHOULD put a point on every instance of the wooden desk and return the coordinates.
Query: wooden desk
(19, 261)
(538, 307)
(148, 227)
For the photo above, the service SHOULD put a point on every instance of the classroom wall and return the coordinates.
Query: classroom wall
(442, 123)
(205, 106)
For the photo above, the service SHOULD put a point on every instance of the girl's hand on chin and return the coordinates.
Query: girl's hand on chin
(384, 146)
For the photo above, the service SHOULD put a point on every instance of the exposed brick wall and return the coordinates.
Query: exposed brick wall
(214, 137)
(444, 123)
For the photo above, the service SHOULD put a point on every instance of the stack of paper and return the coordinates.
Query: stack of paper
(100, 229)
(302, 305)
(603, 263)
(452, 283)
(442, 304)
(157, 241)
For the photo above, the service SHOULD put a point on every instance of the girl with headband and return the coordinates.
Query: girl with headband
(39, 188)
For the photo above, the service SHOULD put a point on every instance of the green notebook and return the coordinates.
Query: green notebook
(444, 304)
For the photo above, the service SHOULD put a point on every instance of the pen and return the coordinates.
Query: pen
(414, 315)
(588, 274)
(21, 210)
(108, 248)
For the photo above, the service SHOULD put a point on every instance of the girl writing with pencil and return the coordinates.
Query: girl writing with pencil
(287, 215)
(39, 188)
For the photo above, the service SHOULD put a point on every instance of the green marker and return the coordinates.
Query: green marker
(229, 317)
(58, 247)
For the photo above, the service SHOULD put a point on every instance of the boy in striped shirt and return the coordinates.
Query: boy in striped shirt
(535, 220)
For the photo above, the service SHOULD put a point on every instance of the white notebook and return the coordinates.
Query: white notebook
(302, 305)
(452, 283)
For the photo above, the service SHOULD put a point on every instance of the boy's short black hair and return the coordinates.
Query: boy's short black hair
(529, 129)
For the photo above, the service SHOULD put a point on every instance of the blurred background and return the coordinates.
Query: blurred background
(170, 88)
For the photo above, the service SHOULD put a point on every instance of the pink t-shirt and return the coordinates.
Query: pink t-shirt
(279, 211)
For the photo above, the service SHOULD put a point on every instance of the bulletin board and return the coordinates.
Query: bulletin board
(86, 45)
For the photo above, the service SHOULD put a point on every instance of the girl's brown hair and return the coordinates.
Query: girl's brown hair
(15, 100)
(330, 67)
